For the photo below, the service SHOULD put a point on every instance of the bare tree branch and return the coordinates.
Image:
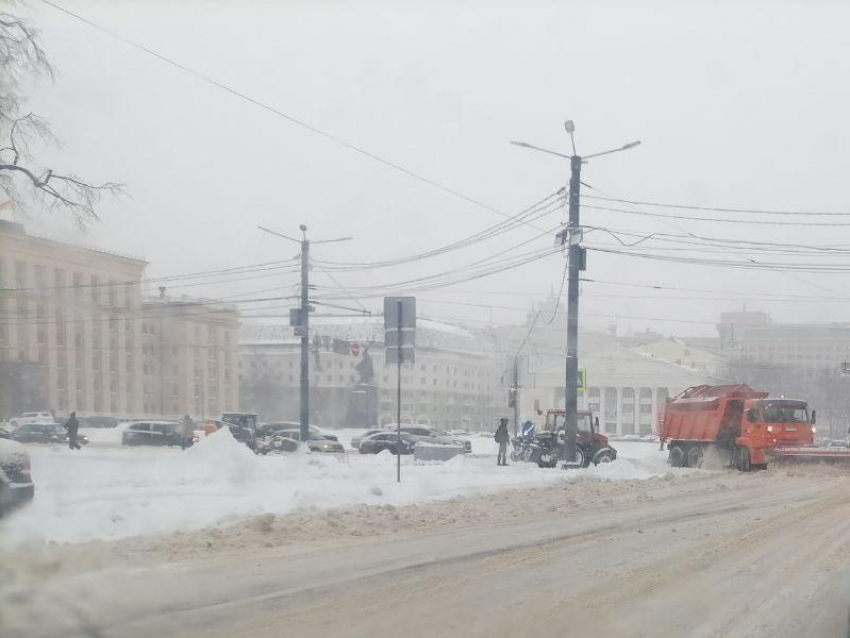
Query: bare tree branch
(22, 58)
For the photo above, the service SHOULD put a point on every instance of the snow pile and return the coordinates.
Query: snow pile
(109, 493)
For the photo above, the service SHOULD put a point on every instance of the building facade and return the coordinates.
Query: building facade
(73, 320)
(625, 389)
(454, 383)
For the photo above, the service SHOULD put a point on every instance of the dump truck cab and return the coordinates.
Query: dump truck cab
(780, 422)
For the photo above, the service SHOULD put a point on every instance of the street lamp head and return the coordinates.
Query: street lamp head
(522, 144)
(570, 127)
(303, 228)
(631, 145)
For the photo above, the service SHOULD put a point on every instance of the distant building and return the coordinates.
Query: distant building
(625, 389)
(731, 324)
(73, 322)
(190, 357)
(455, 382)
(807, 347)
(677, 351)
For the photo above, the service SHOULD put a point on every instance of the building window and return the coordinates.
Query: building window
(20, 274)
(95, 289)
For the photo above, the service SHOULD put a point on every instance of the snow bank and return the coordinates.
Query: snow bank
(110, 493)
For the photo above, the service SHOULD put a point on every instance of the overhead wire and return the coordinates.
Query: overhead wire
(279, 113)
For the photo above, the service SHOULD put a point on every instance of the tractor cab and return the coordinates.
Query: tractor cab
(588, 427)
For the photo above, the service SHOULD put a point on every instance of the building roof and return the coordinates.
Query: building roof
(429, 333)
(15, 228)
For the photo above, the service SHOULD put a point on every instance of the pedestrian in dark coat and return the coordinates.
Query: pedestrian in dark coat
(73, 427)
(502, 437)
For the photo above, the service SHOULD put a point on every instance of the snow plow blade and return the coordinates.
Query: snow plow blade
(812, 453)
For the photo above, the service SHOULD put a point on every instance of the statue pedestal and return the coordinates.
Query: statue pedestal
(362, 409)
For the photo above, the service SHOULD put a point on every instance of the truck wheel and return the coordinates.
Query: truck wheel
(695, 456)
(743, 459)
(677, 456)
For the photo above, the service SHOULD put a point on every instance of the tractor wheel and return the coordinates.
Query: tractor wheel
(581, 460)
(515, 455)
(695, 456)
(604, 457)
(677, 456)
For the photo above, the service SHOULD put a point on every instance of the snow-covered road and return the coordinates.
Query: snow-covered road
(711, 554)
(108, 492)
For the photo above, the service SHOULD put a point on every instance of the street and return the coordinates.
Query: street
(711, 554)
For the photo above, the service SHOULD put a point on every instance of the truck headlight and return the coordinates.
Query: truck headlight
(814, 429)
(769, 429)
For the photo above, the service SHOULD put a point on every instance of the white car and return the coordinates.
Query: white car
(42, 418)
(433, 435)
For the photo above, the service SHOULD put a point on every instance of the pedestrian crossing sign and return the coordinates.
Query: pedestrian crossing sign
(581, 382)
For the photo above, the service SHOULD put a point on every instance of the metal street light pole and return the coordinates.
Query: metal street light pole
(576, 262)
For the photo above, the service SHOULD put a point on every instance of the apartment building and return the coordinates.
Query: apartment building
(72, 312)
(74, 323)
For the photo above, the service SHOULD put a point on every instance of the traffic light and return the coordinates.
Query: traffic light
(512, 398)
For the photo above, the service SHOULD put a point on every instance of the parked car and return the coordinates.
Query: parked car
(357, 440)
(44, 433)
(838, 443)
(160, 433)
(316, 441)
(16, 486)
(649, 438)
(387, 441)
(433, 435)
(276, 444)
(31, 417)
(288, 426)
(631, 437)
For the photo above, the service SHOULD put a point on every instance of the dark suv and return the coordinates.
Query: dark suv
(152, 433)
(44, 433)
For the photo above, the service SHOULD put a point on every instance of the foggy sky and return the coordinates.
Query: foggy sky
(737, 104)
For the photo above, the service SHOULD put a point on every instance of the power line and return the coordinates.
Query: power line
(299, 122)
(725, 220)
(716, 209)
(536, 211)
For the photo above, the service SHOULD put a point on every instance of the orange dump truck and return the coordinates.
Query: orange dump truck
(739, 423)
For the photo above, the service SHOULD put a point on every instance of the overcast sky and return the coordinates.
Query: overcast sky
(737, 105)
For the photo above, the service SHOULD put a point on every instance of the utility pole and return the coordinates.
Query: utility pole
(575, 263)
(300, 320)
(571, 236)
(516, 395)
(305, 336)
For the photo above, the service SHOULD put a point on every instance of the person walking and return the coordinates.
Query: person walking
(73, 427)
(502, 437)
(187, 432)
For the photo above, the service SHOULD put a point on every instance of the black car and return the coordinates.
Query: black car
(16, 486)
(44, 433)
(388, 441)
(160, 433)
